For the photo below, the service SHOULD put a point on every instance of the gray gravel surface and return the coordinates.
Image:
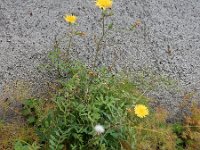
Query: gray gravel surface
(167, 41)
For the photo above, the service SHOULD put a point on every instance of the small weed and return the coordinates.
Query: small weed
(90, 107)
(10, 132)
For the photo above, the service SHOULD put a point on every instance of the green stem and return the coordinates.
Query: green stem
(70, 40)
(103, 25)
(98, 48)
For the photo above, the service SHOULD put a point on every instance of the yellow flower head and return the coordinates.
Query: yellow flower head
(104, 4)
(141, 110)
(70, 18)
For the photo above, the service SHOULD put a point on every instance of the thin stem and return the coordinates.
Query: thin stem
(70, 40)
(98, 48)
(57, 59)
(103, 24)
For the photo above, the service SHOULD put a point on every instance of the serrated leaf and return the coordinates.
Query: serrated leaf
(52, 142)
(52, 137)
(57, 133)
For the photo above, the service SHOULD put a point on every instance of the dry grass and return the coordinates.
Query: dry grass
(10, 132)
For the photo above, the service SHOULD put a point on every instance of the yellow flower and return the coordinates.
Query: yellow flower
(70, 18)
(104, 4)
(141, 110)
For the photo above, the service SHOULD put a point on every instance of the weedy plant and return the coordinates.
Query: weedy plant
(85, 99)
(11, 132)
(90, 107)
(155, 133)
(188, 131)
(22, 145)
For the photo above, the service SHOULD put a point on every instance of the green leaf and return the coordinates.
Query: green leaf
(110, 26)
(52, 142)
(31, 119)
